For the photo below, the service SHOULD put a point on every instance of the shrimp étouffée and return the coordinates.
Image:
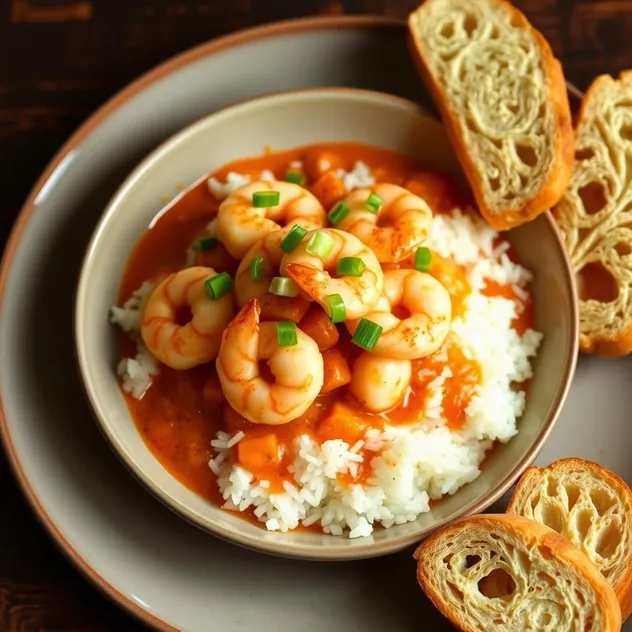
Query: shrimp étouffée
(428, 325)
(401, 224)
(183, 346)
(240, 224)
(297, 370)
(313, 274)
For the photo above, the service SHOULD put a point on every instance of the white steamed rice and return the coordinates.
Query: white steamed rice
(136, 373)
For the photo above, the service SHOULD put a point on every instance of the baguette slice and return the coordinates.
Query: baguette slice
(591, 507)
(502, 97)
(507, 573)
(595, 216)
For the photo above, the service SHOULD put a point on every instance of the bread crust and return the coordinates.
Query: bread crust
(534, 475)
(607, 344)
(553, 188)
(532, 534)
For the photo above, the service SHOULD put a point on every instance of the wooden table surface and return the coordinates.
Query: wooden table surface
(60, 60)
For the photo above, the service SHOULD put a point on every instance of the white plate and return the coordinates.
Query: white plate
(153, 563)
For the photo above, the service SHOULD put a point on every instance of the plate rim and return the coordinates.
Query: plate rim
(29, 207)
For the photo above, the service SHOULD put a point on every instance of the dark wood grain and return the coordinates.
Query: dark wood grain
(60, 59)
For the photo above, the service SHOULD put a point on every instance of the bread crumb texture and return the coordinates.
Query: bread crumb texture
(507, 573)
(591, 507)
(492, 68)
(595, 216)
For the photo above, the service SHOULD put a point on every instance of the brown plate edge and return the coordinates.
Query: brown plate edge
(28, 208)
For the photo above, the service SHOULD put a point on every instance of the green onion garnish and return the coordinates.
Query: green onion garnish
(295, 178)
(218, 285)
(320, 244)
(256, 268)
(205, 244)
(337, 309)
(367, 334)
(423, 259)
(338, 213)
(373, 203)
(350, 266)
(286, 333)
(283, 286)
(293, 238)
(265, 199)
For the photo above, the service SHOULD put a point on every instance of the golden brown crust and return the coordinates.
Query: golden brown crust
(527, 489)
(553, 188)
(529, 538)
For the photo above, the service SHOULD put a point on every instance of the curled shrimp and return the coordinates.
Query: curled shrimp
(297, 370)
(240, 224)
(273, 307)
(379, 383)
(428, 325)
(183, 346)
(402, 223)
(313, 275)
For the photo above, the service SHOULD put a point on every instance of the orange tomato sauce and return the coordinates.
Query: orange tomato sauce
(182, 411)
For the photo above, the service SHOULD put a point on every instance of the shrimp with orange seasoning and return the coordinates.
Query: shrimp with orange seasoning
(315, 276)
(393, 224)
(297, 370)
(273, 307)
(428, 325)
(196, 341)
(240, 224)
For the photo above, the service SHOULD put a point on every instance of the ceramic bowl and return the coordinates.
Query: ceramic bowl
(334, 114)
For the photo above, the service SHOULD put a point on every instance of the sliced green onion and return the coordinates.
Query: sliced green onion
(373, 203)
(320, 244)
(295, 178)
(283, 286)
(350, 266)
(205, 244)
(423, 259)
(218, 285)
(367, 334)
(256, 268)
(286, 333)
(265, 199)
(338, 213)
(337, 308)
(293, 238)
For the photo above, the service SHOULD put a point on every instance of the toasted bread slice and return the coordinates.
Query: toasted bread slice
(591, 507)
(595, 216)
(503, 100)
(507, 573)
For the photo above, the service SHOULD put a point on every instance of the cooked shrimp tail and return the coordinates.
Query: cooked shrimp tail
(311, 273)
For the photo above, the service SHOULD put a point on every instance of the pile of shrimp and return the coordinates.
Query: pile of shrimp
(267, 380)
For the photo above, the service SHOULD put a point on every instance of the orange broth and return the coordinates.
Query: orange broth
(182, 410)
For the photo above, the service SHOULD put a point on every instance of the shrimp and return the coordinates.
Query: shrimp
(297, 370)
(272, 307)
(428, 325)
(240, 224)
(183, 346)
(313, 275)
(379, 383)
(402, 223)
